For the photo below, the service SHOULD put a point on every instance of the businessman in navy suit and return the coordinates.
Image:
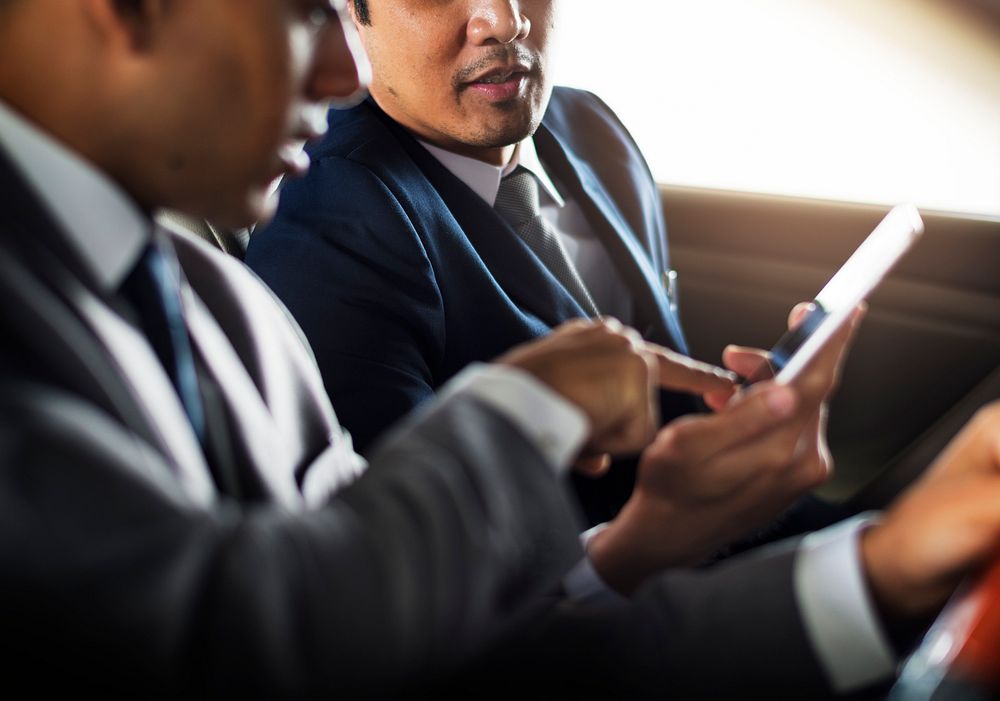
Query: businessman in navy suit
(395, 230)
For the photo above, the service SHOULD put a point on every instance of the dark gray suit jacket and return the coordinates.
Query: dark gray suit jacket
(127, 556)
(131, 560)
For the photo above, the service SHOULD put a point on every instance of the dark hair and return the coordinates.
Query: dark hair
(361, 10)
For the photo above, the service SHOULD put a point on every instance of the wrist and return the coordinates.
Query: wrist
(896, 598)
(871, 548)
(612, 554)
(634, 545)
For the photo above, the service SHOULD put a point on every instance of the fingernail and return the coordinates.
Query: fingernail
(781, 401)
(727, 375)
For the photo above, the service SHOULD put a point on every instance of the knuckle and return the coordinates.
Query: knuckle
(824, 470)
(621, 341)
(574, 326)
(638, 364)
(607, 325)
(633, 336)
(638, 433)
(814, 473)
(677, 440)
(988, 415)
(757, 417)
(652, 365)
(782, 456)
(815, 383)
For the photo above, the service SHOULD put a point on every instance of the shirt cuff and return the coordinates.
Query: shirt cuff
(583, 585)
(556, 427)
(837, 609)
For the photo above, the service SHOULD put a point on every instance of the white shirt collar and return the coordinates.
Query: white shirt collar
(484, 178)
(106, 229)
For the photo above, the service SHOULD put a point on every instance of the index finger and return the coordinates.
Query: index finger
(683, 374)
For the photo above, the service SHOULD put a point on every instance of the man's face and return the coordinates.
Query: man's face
(470, 76)
(235, 86)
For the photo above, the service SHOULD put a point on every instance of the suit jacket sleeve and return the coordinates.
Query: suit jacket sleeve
(343, 255)
(112, 577)
(733, 627)
(732, 631)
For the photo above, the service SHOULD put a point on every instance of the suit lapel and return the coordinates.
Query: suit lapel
(113, 361)
(145, 377)
(255, 439)
(654, 314)
(518, 272)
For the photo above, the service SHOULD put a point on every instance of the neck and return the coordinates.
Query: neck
(498, 156)
(494, 155)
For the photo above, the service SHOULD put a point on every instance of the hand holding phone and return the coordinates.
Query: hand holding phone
(832, 307)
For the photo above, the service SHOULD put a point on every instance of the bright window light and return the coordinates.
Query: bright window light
(879, 101)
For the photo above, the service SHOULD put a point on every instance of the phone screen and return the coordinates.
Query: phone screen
(862, 272)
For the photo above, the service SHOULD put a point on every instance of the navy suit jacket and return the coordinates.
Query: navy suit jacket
(382, 239)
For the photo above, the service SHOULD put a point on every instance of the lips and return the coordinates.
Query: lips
(294, 160)
(500, 83)
(499, 75)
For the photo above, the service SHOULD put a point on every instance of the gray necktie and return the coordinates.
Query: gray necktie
(517, 202)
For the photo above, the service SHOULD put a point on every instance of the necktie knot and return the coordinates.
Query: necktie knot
(517, 199)
(519, 205)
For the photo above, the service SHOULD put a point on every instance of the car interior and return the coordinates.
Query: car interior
(926, 356)
(781, 132)
(773, 169)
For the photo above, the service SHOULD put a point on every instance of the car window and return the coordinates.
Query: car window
(883, 102)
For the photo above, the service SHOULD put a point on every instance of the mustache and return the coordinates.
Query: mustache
(506, 55)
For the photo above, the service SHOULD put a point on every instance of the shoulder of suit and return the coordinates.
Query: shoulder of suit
(204, 263)
(352, 132)
(362, 168)
(572, 110)
(222, 281)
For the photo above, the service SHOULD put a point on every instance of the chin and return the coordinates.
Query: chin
(255, 207)
(262, 217)
(507, 136)
(263, 206)
(514, 129)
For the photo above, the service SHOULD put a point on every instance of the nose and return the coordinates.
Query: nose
(497, 21)
(340, 73)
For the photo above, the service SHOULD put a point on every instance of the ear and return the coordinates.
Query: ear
(353, 12)
(129, 24)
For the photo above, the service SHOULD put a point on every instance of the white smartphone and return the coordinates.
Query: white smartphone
(858, 277)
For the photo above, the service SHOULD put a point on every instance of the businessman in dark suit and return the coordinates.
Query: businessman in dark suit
(168, 457)
(402, 224)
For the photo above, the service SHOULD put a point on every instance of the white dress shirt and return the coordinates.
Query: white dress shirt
(585, 250)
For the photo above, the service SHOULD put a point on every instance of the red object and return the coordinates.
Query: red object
(980, 656)
(972, 625)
